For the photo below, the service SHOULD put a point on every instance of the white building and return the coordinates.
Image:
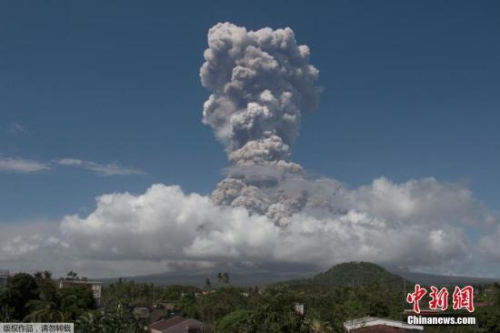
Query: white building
(95, 286)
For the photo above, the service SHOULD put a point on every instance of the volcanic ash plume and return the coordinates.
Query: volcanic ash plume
(260, 81)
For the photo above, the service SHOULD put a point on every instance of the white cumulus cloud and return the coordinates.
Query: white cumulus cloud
(382, 222)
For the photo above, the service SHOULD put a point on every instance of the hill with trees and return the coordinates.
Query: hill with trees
(353, 274)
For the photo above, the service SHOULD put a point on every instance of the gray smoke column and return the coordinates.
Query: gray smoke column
(260, 82)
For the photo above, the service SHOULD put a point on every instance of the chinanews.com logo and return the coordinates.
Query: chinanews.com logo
(438, 304)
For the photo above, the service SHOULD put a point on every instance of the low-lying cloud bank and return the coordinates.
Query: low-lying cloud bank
(421, 224)
(416, 223)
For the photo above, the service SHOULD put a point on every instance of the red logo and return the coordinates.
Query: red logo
(439, 299)
(463, 298)
(414, 298)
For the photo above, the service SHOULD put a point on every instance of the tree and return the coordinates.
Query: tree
(318, 326)
(242, 321)
(6, 310)
(113, 319)
(216, 305)
(489, 316)
(89, 322)
(275, 312)
(47, 288)
(188, 306)
(47, 275)
(21, 289)
(208, 284)
(44, 312)
(76, 300)
(223, 278)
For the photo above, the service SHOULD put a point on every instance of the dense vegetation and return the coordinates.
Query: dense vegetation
(36, 298)
(329, 300)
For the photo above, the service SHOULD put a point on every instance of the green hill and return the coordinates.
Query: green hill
(356, 274)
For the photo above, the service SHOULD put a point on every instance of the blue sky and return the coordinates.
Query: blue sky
(411, 90)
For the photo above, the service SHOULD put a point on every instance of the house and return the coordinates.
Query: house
(177, 325)
(94, 286)
(380, 325)
(169, 306)
(141, 312)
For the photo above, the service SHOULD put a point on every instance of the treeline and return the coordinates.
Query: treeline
(221, 306)
(229, 309)
(37, 298)
(278, 308)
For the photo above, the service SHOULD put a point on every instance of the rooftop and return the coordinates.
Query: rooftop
(374, 321)
(163, 324)
(77, 281)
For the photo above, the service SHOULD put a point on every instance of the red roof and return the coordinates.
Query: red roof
(163, 324)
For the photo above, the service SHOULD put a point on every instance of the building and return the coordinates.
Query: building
(177, 325)
(379, 325)
(95, 286)
(141, 312)
(4, 275)
(168, 306)
(299, 308)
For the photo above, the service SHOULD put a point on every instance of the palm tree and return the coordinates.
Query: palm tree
(47, 275)
(208, 284)
(225, 278)
(44, 311)
(113, 321)
(90, 322)
(6, 312)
